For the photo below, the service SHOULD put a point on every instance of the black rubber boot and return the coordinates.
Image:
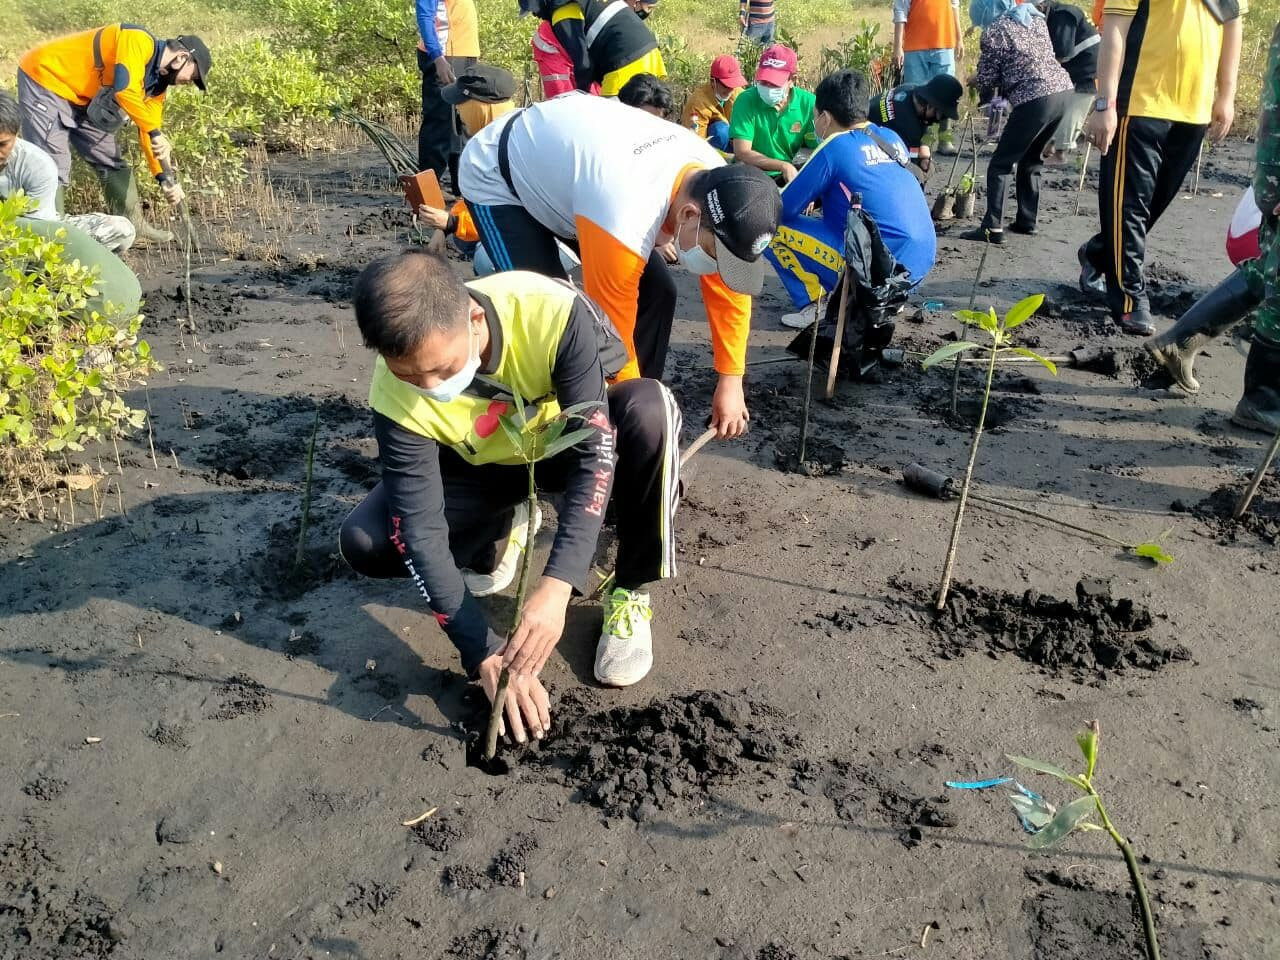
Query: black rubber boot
(1215, 313)
(1259, 408)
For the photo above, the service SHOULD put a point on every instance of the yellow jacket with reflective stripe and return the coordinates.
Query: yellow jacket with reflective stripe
(69, 68)
(532, 312)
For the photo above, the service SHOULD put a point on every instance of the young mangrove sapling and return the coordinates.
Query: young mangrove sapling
(1055, 825)
(532, 442)
(998, 328)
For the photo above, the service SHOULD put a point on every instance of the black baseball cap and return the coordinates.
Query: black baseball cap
(742, 206)
(482, 82)
(200, 54)
(943, 93)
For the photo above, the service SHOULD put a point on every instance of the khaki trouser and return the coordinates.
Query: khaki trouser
(1078, 106)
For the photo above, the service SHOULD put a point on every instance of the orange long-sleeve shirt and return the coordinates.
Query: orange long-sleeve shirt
(121, 56)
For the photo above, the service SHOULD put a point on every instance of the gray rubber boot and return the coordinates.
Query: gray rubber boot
(121, 191)
(1215, 313)
(1259, 408)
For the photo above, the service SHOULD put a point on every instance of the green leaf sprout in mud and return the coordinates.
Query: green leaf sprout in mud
(532, 442)
(998, 330)
(1054, 826)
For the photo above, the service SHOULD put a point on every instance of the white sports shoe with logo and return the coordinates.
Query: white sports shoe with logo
(624, 654)
(485, 584)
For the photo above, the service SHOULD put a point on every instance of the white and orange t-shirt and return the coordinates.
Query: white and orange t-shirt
(602, 172)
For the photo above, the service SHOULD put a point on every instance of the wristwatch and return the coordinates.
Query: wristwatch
(1102, 104)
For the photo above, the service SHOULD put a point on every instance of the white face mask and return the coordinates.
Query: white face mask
(771, 95)
(451, 388)
(696, 260)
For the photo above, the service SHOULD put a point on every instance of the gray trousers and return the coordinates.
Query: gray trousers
(56, 125)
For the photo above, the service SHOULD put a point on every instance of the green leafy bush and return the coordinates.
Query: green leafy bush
(864, 52)
(63, 367)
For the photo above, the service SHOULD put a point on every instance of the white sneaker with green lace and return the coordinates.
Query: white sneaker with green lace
(625, 651)
(484, 584)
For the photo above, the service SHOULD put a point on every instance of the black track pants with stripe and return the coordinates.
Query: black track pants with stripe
(1141, 175)
(478, 500)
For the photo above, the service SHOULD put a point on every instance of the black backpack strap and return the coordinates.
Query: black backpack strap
(887, 147)
(504, 153)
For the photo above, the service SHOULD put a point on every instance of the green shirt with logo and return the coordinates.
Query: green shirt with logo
(778, 134)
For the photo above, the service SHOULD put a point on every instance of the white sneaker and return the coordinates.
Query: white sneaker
(624, 654)
(485, 584)
(798, 320)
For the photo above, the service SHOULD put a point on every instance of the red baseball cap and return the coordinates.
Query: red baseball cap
(728, 71)
(777, 65)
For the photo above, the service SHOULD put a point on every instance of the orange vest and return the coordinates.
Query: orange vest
(68, 68)
(930, 26)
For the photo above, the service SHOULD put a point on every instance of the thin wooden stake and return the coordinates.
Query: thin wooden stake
(964, 328)
(1084, 172)
(839, 337)
(808, 381)
(306, 495)
(1243, 506)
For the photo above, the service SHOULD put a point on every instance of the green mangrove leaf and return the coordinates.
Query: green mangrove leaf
(1031, 354)
(1153, 552)
(945, 353)
(1041, 766)
(1022, 311)
(1088, 741)
(513, 432)
(580, 409)
(1064, 821)
(561, 444)
(1037, 812)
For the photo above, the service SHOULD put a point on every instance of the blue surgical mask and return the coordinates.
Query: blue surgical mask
(771, 95)
(451, 388)
(696, 260)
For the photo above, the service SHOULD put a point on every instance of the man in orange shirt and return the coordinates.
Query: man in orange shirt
(638, 183)
(927, 42)
(76, 91)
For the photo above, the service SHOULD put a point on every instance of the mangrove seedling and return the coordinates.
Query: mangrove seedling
(1052, 826)
(999, 330)
(305, 518)
(534, 439)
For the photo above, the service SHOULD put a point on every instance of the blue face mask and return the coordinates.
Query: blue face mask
(771, 95)
(452, 387)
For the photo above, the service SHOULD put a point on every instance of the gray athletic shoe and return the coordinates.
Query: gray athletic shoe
(624, 654)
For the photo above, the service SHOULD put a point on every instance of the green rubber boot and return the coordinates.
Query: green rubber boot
(121, 191)
(1259, 407)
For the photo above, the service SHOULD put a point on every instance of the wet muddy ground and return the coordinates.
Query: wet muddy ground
(211, 741)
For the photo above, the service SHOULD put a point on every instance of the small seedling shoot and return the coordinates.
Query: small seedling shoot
(533, 441)
(999, 331)
(1053, 825)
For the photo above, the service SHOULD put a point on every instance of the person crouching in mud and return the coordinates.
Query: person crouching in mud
(449, 512)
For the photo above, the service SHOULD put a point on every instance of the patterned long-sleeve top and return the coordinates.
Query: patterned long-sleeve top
(1018, 62)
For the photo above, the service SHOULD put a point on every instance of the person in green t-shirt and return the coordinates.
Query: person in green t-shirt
(773, 120)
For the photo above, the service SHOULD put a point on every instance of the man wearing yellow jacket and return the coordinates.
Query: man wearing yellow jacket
(76, 91)
(450, 513)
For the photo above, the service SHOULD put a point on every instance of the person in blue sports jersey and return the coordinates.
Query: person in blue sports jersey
(854, 157)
